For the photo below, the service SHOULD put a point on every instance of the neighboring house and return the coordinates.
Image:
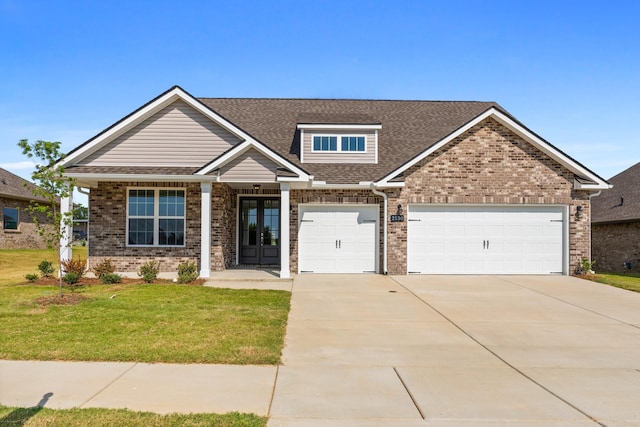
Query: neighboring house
(18, 229)
(333, 186)
(615, 224)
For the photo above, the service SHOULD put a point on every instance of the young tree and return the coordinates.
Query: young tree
(52, 186)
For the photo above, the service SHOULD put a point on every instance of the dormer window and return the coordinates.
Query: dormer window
(325, 143)
(342, 142)
(353, 143)
(348, 143)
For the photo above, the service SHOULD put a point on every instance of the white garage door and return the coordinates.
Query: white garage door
(338, 239)
(485, 239)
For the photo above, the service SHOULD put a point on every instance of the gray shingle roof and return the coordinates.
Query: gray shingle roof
(622, 202)
(408, 127)
(14, 187)
(133, 170)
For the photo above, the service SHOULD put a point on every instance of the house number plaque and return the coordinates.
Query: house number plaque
(397, 218)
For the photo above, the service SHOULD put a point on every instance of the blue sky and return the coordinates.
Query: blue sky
(569, 70)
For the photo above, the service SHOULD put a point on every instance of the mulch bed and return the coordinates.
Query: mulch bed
(64, 299)
(88, 281)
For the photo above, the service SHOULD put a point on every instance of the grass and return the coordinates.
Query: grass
(152, 323)
(629, 281)
(15, 263)
(40, 417)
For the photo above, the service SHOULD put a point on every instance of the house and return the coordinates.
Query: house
(18, 228)
(615, 224)
(332, 186)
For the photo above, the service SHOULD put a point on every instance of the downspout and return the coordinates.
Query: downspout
(384, 236)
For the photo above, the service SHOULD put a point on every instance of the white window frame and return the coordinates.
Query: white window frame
(339, 137)
(157, 217)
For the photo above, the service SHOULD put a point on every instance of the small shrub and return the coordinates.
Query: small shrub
(77, 266)
(187, 272)
(104, 267)
(31, 277)
(110, 278)
(46, 268)
(586, 266)
(71, 278)
(149, 271)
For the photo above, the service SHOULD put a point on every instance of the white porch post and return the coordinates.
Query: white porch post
(66, 230)
(284, 230)
(205, 229)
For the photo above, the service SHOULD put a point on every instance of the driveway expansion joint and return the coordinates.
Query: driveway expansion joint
(496, 355)
(566, 302)
(413, 399)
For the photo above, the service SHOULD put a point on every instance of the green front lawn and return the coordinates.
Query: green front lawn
(151, 323)
(630, 281)
(41, 417)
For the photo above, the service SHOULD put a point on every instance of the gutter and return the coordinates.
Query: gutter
(384, 220)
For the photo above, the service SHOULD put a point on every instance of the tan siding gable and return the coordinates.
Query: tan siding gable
(309, 156)
(177, 135)
(251, 166)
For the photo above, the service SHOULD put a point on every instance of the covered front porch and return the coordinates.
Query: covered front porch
(245, 225)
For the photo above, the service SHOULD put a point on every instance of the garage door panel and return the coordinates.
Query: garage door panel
(485, 239)
(338, 239)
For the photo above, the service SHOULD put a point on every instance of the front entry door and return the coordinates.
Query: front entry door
(259, 231)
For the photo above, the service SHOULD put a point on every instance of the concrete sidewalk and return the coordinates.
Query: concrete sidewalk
(160, 388)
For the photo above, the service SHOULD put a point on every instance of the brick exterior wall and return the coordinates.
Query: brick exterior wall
(223, 226)
(26, 236)
(488, 164)
(107, 233)
(615, 245)
(350, 197)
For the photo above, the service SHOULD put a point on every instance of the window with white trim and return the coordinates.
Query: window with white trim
(353, 143)
(325, 143)
(348, 143)
(155, 217)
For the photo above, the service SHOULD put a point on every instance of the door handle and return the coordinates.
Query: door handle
(262, 239)
(487, 244)
(484, 244)
(336, 244)
(340, 244)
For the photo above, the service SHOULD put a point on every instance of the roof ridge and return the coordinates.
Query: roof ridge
(347, 99)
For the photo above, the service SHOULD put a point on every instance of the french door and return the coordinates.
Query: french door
(259, 231)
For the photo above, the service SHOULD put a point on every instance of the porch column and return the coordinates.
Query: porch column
(66, 227)
(205, 229)
(284, 230)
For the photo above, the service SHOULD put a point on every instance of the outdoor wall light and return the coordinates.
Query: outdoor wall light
(399, 211)
(256, 187)
(578, 212)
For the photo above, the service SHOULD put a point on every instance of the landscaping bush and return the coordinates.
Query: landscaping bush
(77, 266)
(149, 271)
(110, 278)
(46, 268)
(187, 272)
(71, 278)
(31, 277)
(104, 267)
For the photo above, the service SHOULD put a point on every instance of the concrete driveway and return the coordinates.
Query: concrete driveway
(459, 351)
